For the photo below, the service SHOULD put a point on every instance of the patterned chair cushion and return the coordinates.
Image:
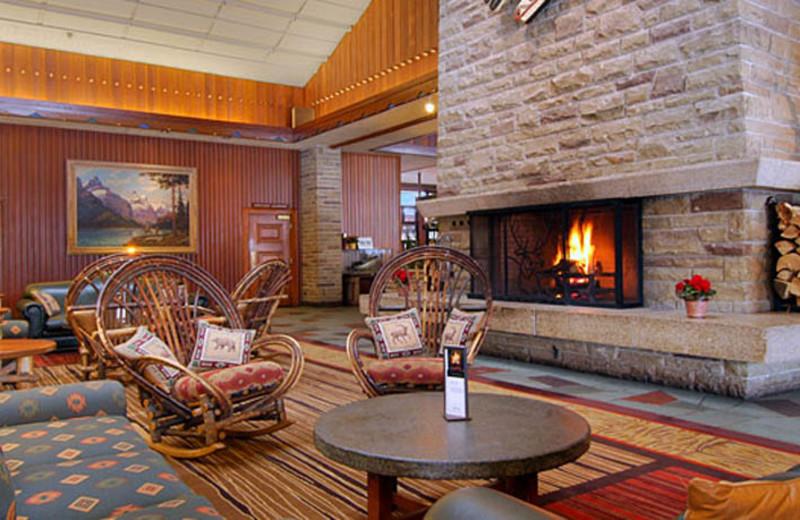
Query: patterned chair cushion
(46, 300)
(220, 347)
(39, 443)
(397, 335)
(405, 373)
(14, 328)
(8, 504)
(460, 328)
(145, 343)
(234, 381)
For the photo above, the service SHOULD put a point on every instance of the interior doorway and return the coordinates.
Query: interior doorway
(272, 233)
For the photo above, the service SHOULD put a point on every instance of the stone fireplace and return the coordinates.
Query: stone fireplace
(691, 107)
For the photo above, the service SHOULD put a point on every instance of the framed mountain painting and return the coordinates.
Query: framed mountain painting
(117, 207)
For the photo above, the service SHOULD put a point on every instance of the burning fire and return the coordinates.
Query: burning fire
(581, 250)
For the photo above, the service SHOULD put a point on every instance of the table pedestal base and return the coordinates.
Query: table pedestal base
(382, 495)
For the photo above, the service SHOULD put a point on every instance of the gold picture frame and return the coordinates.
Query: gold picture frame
(117, 207)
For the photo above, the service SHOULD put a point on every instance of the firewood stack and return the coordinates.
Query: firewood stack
(787, 279)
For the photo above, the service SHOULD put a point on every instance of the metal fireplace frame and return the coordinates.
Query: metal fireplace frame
(566, 208)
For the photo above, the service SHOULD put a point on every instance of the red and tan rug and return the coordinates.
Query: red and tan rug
(637, 468)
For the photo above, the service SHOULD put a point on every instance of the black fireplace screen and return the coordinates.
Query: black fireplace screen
(578, 254)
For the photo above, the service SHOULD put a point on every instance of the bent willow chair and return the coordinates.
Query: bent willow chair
(80, 303)
(171, 297)
(434, 280)
(259, 293)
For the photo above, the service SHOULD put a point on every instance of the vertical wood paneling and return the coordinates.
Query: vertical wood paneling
(371, 198)
(33, 191)
(393, 43)
(66, 77)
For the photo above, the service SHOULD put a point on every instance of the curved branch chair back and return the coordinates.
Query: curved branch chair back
(170, 296)
(259, 292)
(434, 280)
(80, 309)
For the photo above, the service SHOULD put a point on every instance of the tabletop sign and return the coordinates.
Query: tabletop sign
(455, 384)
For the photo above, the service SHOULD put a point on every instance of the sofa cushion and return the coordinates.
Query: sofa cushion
(55, 441)
(48, 301)
(415, 372)
(14, 328)
(62, 402)
(750, 499)
(234, 381)
(57, 323)
(8, 503)
(185, 506)
(97, 487)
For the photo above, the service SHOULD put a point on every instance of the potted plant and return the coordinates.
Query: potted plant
(695, 292)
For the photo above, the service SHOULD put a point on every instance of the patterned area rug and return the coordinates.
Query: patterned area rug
(637, 468)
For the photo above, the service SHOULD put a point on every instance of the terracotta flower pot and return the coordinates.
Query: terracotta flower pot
(696, 308)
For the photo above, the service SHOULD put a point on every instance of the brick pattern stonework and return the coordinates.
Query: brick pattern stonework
(321, 225)
(588, 88)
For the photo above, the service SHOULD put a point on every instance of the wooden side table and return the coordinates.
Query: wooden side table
(21, 352)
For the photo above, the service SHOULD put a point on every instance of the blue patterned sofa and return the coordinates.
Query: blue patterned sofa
(71, 453)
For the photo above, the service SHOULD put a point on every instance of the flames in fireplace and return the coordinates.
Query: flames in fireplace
(581, 249)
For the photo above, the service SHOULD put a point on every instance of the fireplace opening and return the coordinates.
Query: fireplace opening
(572, 254)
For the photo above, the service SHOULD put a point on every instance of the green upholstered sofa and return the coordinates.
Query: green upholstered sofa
(53, 327)
(70, 452)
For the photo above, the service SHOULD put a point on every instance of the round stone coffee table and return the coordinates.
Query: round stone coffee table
(22, 351)
(405, 435)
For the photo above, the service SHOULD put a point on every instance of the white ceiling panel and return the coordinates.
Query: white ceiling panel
(30, 14)
(279, 41)
(175, 20)
(317, 48)
(164, 38)
(246, 33)
(206, 8)
(259, 18)
(113, 8)
(68, 21)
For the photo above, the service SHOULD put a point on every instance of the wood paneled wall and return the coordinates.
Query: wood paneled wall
(371, 198)
(34, 199)
(393, 43)
(66, 77)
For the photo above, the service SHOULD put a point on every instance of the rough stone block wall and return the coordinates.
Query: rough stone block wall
(723, 236)
(588, 88)
(771, 74)
(321, 225)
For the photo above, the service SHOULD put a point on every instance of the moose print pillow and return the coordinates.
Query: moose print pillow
(219, 347)
(460, 328)
(397, 335)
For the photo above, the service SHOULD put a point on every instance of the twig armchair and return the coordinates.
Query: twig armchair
(80, 304)
(259, 292)
(433, 280)
(174, 299)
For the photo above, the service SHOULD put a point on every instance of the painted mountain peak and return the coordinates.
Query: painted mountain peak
(118, 208)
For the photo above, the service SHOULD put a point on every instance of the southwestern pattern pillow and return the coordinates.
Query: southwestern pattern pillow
(220, 347)
(145, 343)
(460, 327)
(397, 335)
(50, 304)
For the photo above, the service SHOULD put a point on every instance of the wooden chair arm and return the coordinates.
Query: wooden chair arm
(223, 401)
(354, 356)
(296, 362)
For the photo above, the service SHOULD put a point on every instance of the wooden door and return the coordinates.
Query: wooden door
(271, 233)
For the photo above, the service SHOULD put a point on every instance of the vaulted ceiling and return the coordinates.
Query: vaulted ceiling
(276, 41)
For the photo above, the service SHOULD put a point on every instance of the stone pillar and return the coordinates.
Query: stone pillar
(321, 225)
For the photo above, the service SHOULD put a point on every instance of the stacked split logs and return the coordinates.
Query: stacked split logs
(787, 279)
